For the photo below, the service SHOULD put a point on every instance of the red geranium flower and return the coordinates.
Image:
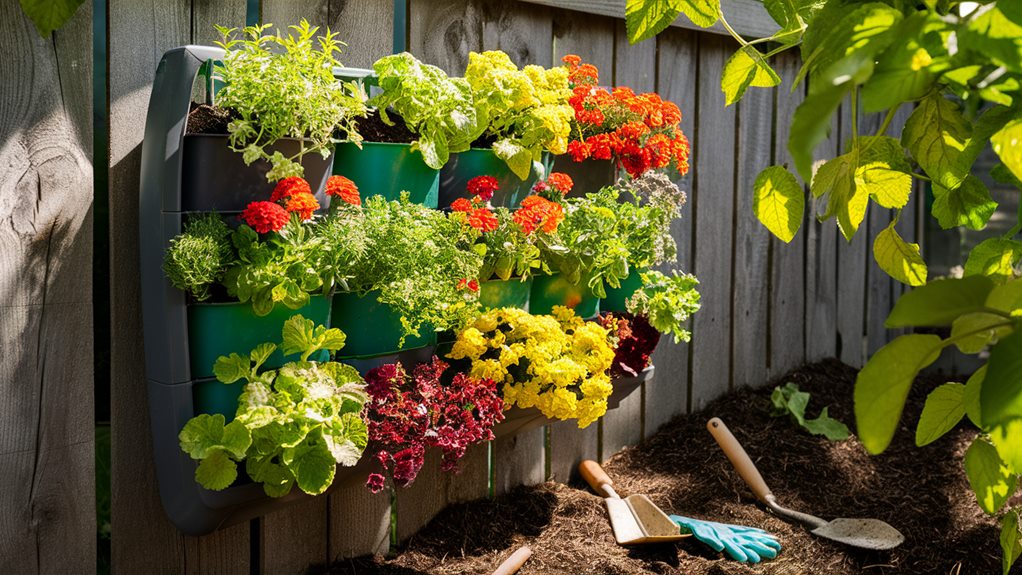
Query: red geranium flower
(472, 285)
(483, 220)
(302, 204)
(343, 188)
(289, 187)
(265, 217)
(538, 212)
(483, 187)
(461, 205)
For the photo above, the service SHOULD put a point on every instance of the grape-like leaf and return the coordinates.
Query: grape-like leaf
(969, 204)
(899, 259)
(229, 369)
(746, 67)
(779, 202)
(995, 258)
(217, 471)
(1007, 142)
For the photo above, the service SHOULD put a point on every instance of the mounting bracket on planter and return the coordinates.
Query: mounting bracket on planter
(170, 189)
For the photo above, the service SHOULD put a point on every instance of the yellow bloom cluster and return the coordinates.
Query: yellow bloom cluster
(556, 363)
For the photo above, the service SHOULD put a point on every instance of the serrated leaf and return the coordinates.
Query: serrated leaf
(988, 476)
(647, 18)
(1007, 142)
(1007, 438)
(702, 13)
(847, 196)
(883, 385)
(884, 171)
(779, 202)
(972, 390)
(903, 71)
(236, 439)
(995, 258)
(861, 32)
(967, 205)
(313, 466)
(938, 135)
(277, 479)
(229, 369)
(973, 332)
(261, 353)
(1002, 175)
(746, 67)
(944, 408)
(993, 36)
(827, 426)
(1001, 398)
(940, 302)
(216, 472)
(899, 259)
(48, 15)
(202, 435)
(1011, 540)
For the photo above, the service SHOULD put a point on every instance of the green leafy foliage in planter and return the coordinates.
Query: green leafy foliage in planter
(198, 257)
(293, 426)
(790, 401)
(439, 109)
(667, 302)
(283, 87)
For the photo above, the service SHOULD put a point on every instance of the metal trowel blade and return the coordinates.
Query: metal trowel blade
(864, 533)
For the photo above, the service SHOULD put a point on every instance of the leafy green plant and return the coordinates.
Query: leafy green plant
(198, 257)
(667, 301)
(439, 109)
(283, 87)
(415, 257)
(293, 425)
(791, 401)
(525, 111)
(507, 251)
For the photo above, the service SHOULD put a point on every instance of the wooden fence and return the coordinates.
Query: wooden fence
(767, 306)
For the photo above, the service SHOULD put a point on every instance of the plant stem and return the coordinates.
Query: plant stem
(730, 30)
(954, 339)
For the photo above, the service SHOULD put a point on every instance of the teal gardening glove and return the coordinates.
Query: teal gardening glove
(745, 544)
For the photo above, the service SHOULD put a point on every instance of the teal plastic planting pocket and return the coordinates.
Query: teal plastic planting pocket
(616, 297)
(372, 327)
(211, 396)
(216, 329)
(464, 166)
(386, 170)
(512, 292)
(552, 290)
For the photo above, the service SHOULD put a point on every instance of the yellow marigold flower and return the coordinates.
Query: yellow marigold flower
(562, 403)
(566, 316)
(529, 395)
(470, 344)
(486, 322)
(508, 356)
(510, 395)
(588, 410)
(489, 369)
(598, 386)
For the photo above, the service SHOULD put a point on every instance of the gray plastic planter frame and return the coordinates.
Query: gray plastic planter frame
(162, 208)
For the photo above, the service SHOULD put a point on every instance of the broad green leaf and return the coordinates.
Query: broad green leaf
(261, 353)
(862, 32)
(779, 202)
(944, 408)
(847, 196)
(1007, 438)
(1002, 175)
(1011, 540)
(229, 369)
(939, 302)
(1007, 142)
(48, 15)
(973, 332)
(827, 426)
(216, 472)
(746, 67)
(206, 433)
(702, 13)
(1001, 398)
(810, 125)
(1007, 297)
(903, 71)
(313, 466)
(883, 170)
(993, 36)
(647, 18)
(988, 476)
(972, 391)
(995, 258)
(277, 479)
(304, 337)
(899, 259)
(883, 384)
(236, 439)
(937, 136)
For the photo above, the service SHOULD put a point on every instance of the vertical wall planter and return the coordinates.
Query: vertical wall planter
(551, 290)
(615, 300)
(385, 169)
(512, 292)
(216, 329)
(211, 396)
(464, 166)
(589, 175)
(214, 177)
(373, 329)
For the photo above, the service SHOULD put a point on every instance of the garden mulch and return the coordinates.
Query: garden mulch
(921, 491)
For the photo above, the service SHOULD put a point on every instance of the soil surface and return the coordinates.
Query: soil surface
(921, 491)
(206, 119)
(373, 129)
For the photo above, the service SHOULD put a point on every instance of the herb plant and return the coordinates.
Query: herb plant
(525, 111)
(667, 301)
(439, 109)
(790, 401)
(284, 87)
(198, 257)
(293, 425)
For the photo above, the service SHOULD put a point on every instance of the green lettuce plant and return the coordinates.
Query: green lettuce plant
(438, 109)
(283, 87)
(667, 301)
(791, 401)
(198, 257)
(293, 425)
(507, 251)
(525, 111)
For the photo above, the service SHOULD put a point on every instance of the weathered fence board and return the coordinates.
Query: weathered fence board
(821, 268)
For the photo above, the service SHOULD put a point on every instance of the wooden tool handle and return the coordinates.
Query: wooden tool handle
(513, 563)
(739, 459)
(595, 476)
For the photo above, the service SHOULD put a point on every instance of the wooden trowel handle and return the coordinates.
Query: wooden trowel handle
(513, 563)
(595, 476)
(739, 459)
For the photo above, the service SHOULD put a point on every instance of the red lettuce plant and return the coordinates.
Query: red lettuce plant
(408, 414)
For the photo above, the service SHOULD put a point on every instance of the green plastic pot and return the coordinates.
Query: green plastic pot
(512, 292)
(386, 170)
(372, 328)
(551, 290)
(212, 397)
(615, 300)
(464, 166)
(216, 329)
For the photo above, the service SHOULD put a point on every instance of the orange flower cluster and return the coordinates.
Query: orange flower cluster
(638, 131)
(478, 215)
(555, 186)
(265, 217)
(343, 188)
(538, 212)
(295, 196)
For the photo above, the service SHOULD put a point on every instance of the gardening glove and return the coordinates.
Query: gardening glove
(745, 544)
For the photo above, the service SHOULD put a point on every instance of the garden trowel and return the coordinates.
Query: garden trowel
(635, 519)
(863, 533)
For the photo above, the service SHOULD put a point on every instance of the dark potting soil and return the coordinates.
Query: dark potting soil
(923, 492)
(206, 119)
(373, 129)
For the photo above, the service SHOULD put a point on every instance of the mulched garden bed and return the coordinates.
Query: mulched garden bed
(921, 491)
